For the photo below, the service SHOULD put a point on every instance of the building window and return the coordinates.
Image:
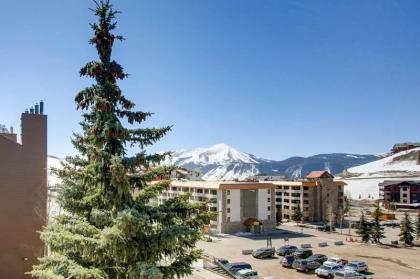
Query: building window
(228, 201)
(268, 208)
(278, 200)
(228, 192)
(228, 219)
(268, 191)
(286, 194)
(200, 191)
(306, 202)
(305, 188)
(286, 200)
(286, 187)
(305, 194)
(268, 200)
(213, 192)
(286, 207)
(296, 188)
(228, 210)
(268, 217)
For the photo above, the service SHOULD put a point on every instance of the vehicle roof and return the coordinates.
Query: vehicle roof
(288, 246)
(329, 263)
(239, 263)
(244, 271)
(318, 255)
(303, 249)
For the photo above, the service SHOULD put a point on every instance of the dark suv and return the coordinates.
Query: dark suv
(305, 265)
(263, 253)
(235, 267)
(286, 250)
(302, 253)
(318, 258)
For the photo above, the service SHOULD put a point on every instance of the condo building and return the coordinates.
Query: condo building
(240, 206)
(400, 193)
(255, 205)
(23, 194)
(320, 198)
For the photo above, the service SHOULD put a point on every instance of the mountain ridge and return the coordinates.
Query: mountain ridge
(223, 162)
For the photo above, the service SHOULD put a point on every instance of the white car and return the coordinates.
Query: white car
(328, 269)
(357, 266)
(246, 274)
(348, 274)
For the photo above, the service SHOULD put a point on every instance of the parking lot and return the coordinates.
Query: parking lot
(383, 261)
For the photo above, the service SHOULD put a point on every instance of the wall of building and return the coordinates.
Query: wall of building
(234, 206)
(23, 197)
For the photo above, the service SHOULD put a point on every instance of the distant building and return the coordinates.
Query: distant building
(400, 193)
(184, 174)
(23, 194)
(404, 146)
(265, 177)
(320, 198)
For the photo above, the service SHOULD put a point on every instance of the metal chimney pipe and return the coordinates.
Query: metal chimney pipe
(11, 129)
(41, 107)
(36, 109)
(31, 110)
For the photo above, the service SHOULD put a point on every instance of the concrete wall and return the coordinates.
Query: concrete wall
(263, 204)
(235, 206)
(23, 197)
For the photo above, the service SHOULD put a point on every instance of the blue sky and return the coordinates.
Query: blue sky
(272, 78)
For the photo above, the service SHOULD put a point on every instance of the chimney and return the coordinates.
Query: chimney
(11, 129)
(36, 109)
(31, 110)
(41, 107)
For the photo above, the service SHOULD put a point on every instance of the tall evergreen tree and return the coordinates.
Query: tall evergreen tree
(406, 230)
(377, 231)
(363, 229)
(111, 228)
(297, 214)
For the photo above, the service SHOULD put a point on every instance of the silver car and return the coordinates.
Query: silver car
(358, 266)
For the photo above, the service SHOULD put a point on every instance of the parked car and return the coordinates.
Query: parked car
(263, 253)
(338, 260)
(318, 258)
(302, 253)
(328, 269)
(305, 265)
(288, 261)
(223, 261)
(357, 266)
(235, 267)
(246, 274)
(348, 274)
(286, 250)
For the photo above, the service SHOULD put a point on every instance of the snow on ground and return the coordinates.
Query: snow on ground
(367, 186)
(402, 162)
(218, 154)
(363, 181)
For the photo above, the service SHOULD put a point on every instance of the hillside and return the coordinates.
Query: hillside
(362, 181)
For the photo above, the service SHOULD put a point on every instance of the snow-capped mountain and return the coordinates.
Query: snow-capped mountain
(362, 181)
(223, 162)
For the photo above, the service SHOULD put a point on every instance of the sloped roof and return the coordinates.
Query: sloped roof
(319, 174)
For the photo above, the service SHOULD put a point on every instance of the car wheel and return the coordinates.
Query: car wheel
(330, 276)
